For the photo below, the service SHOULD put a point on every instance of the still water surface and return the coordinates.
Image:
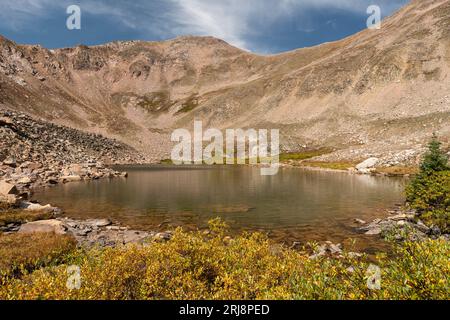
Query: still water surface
(295, 205)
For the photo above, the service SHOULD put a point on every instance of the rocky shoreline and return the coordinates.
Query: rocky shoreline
(401, 224)
(94, 232)
(35, 153)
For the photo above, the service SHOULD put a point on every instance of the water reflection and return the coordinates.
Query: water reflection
(293, 205)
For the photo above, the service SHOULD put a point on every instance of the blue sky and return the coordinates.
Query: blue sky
(261, 26)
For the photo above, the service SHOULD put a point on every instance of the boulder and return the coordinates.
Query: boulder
(422, 227)
(368, 164)
(7, 189)
(9, 199)
(52, 181)
(24, 180)
(73, 178)
(134, 236)
(162, 236)
(100, 222)
(11, 162)
(43, 226)
(77, 170)
(374, 232)
(36, 207)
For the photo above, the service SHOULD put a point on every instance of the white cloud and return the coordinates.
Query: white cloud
(235, 21)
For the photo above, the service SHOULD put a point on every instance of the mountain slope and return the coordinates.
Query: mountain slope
(379, 92)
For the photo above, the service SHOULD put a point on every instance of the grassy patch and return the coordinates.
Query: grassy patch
(20, 216)
(23, 253)
(190, 104)
(299, 156)
(196, 265)
(156, 102)
(329, 165)
(166, 162)
(398, 171)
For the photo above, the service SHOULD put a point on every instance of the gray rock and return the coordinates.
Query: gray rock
(43, 226)
(401, 217)
(10, 161)
(374, 232)
(7, 188)
(101, 223)
(422, 227)
(354, 255)
(163, 236)
(81, 232)
(24, 180)
(134, 236)
(334, 249)
(73, 178)
(360, 221)
(436, 231)
(36, 207)
(9, 199)
(368, 164)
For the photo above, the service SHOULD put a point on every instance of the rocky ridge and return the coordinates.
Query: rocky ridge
(35, 153)
(378, 93)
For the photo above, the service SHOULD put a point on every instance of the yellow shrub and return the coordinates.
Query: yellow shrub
(197, 266)
(22, 253)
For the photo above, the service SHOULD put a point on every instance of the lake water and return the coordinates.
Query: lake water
(295, 205)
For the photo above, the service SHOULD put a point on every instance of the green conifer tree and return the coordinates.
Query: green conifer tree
(435, 159)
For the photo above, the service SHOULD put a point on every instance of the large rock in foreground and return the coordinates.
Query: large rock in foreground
(7, 188)
(44, 226)
(8, 193)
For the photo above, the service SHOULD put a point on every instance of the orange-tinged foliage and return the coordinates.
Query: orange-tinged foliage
(197, 266)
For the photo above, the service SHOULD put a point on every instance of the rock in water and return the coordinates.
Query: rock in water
(360, 221)
(100, 222)
(9, 199)
(73, 178)
(35, 207)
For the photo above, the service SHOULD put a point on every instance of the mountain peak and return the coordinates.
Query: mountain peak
(340, 94)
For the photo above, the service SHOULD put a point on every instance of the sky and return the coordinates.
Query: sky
(260, 26)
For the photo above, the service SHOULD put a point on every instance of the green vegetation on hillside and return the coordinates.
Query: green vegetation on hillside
(190, 104)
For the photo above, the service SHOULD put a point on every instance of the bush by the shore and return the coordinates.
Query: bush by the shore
(22, 254)
(199, 265)
(429, 192)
